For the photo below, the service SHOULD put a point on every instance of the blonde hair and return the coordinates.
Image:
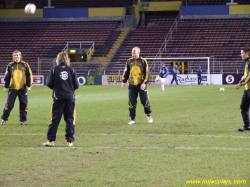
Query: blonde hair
(62, 57)
(18, 52)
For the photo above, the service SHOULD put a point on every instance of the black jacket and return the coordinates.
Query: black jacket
(63, 80)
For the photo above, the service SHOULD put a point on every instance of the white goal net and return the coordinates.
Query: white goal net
(186, 65)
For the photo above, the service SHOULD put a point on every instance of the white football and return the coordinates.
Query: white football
(30, 8)
(222, 89)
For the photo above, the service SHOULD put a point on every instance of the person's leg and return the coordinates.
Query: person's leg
(199, 79)
(176, 81)
(12, 94)
(163, 84)
(172, 80)
(57, 108)
(70, 117)
(146, 104)
(23, 103)
(133, 94)
(145, 101)
(244, 106)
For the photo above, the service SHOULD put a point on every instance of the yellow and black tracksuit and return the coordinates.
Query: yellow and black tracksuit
(63, 80)
(245, 102)
(137, 72)
(18, 77)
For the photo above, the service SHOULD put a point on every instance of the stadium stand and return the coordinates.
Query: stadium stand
(221, 38)
(213, 2)
(76, 3)
(45, 39)
(205, 2)
(148, 38)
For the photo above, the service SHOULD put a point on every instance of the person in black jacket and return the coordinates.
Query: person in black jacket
(245, 101)
(63, 80)
(137, 72)
(18, 81)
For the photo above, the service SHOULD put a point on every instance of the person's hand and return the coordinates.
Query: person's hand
(6, 90)
(123, 85)
(143, 86)
(237, 86)
(28, 89)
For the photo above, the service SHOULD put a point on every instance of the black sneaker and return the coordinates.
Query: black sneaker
(244, 129)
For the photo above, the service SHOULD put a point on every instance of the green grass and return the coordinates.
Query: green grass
(194, 137)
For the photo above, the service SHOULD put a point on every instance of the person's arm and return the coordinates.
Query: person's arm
(244, 81)
(167, 72)
(145, 72)
(125, 75)
(50, 80)
(75, 81)
(7, 79)
(237, 86)
(29, 77)
(146, 75)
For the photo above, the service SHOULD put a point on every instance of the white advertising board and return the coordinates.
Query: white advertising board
(183, 79)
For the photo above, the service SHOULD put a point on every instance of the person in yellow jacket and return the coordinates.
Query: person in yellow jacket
(18, 81)
(136, 72)
(245, 102)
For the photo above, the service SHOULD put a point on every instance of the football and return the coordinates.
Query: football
(30, 8)
(222, 89)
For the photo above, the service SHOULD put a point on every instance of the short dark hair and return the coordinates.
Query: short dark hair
(245, 49)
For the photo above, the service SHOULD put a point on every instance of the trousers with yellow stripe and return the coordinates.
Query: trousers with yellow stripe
(134, 91)
(67, 109)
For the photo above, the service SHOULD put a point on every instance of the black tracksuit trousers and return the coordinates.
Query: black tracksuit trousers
(199, 79)
(244, 106)
(23, 102)
(133, 94)
(174, 79)
(62, 107)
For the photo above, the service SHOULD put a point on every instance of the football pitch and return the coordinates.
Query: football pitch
(193, 140)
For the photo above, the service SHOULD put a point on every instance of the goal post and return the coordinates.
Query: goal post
(192, 64)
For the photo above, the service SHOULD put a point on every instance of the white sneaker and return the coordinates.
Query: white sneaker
(150, 119)
(49, 144)
(3, 122)
(132, 122)
(70, 144)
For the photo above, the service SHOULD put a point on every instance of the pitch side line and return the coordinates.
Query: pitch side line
(143, 148)
(187, 148)
(133, 134)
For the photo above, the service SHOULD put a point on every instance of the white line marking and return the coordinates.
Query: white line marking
(134, 134)
(142, 148)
